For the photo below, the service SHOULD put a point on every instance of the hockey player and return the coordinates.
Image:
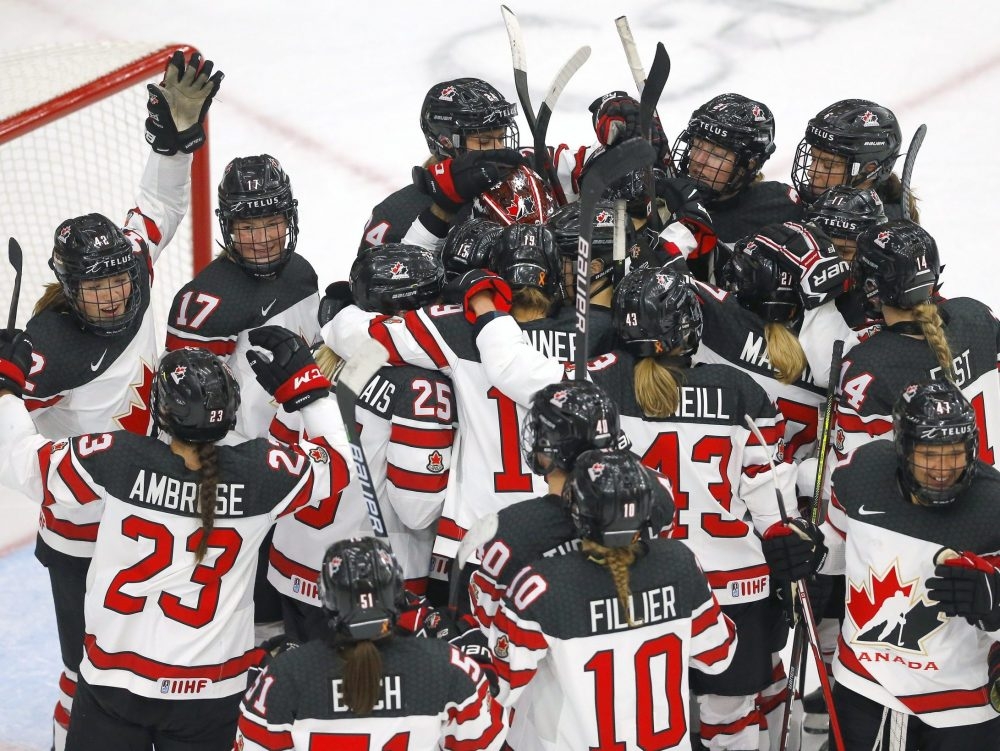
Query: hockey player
(469, 245)
(913, 525)
(665, 407)
(853, 142)
(95, 347)
(258, 280)
(470, 130)
(607, 654)
(362, 685)
(897, 269)
(724, 147)
(169, 630)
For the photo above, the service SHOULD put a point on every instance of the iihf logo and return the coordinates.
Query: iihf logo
(165, 686)
(869, 119)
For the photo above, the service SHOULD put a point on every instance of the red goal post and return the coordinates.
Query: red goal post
(71, 143)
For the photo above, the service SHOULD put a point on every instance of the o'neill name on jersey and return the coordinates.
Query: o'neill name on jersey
(174, 495)
(653, 605)
(699, 402)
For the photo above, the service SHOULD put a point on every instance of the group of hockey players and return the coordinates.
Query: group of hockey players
(782, 424)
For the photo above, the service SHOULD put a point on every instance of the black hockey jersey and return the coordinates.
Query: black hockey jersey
(392, 218)
(432, 696)
(555, 336)
(896, 647)
(596, 681)
(876, 371)
(217, 309)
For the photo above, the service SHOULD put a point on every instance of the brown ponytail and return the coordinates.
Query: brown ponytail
(927, 315)
(362, 676)
(617, 561)
(529, 304)
(788, 361)
(208, 487)
(52, 298)
(657, 387)
(891, 192)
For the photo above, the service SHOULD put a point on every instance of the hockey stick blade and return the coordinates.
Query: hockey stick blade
(482, 532)
(15, 257)
(659, 72)
(367, 361)
(911, 157)
(540, 131)
(520, 62)
(613, 164)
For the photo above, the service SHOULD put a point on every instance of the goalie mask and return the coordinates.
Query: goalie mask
(195, 396)
(520, 198)
(936, 437)
(361, 588)
(98, 270)
(258, 215)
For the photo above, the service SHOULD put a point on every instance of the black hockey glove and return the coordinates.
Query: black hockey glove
(686, 203)
(337, 297)
(461, 290)
(15, 360)
(451, 183)
(967, 585)
(794, 550)
(178, 106)
(616, 118)
(290, 375)
(994, 667)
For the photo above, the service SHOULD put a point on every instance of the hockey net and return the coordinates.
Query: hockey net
(71, 143)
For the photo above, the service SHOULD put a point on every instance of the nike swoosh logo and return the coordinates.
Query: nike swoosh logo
(95, 365)
(264, 311)
(865, 512)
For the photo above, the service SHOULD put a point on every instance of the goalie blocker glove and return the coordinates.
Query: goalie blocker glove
(451, 183)
(794, 550)
(291, 375)
(968, 585)
(178, 106)
(15, 360)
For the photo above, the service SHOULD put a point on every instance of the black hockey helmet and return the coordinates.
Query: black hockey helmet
(610, 497)
(454, 109)
(565, 419)
(565, 225)
(865, 134)
(655, 312)
(738, 124)
(255, 197)
(522, 197)
(526, 256)
(361, 588)
(195, 396)
(469, 245)
(395, 277)
(843, 213)
(926, 419)
(98, 270)
(897, 264)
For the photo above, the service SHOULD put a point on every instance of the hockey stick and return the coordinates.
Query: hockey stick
(805, 605)
(481, 533)
(911, 156)
(543, 165)
(520, 61)
(610, 166)
(15, 257)
(796, 663)
(353, 377)
(657, 79)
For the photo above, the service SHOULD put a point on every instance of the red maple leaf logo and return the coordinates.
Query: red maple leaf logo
(435, 462)
(864, 602)
(139, 419)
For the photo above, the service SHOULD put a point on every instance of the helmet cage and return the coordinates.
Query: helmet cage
(454, 110)
(361, 588)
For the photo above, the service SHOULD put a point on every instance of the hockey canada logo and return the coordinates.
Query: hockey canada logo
(435, 463)
(869, 119)
(399, 270)
(603, 218)
(559, 398)
(319, 454)
(521, 207)
(447, 94)
(838, 440)
(891, 613)
(502, 648)
(758, 114)
(178, 373)
(595, 470)
(59, 445)
(882, 238)
(333, 566)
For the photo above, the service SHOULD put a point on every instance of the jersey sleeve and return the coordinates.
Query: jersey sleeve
(189, 311)
(347, 331)
(713, 634)
(857, 419)
(477, 722)
(512, 364)
(518, 645)
(260, 727)
(758, 482)
(834, 530)
(163, 199)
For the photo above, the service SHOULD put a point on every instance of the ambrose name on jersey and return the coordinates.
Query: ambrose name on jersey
(171, 494)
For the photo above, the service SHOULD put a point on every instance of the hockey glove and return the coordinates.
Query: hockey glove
(337, 297)
(451, 183)
(178, 106)
(15, 360)
(967, 585)
(616, 118)
(793, 550)
(686, 204)
(290, 375)
(461, 290)
(994, 667)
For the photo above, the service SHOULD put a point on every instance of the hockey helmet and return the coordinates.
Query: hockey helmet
(395, 277)
(195, 396)
(657, 311)
(361, 588)
(453, 110)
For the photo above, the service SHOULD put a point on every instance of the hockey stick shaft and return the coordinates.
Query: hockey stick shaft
(520, 63)
(807, 615)
(823, 447)
(657, 79)
(543, 165)
(631, 52)
(367, 361)
(911, 157)
(15, 257)
(611, 165)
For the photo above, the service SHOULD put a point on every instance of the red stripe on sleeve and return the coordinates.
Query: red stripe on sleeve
(417, 481)
(273, 741)
(221, 347)
(425, 339)
(854, 424)
(430, 438)
(520, 636)
(378, 332)
(152, 231)
(706, 619)
(82, 492)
